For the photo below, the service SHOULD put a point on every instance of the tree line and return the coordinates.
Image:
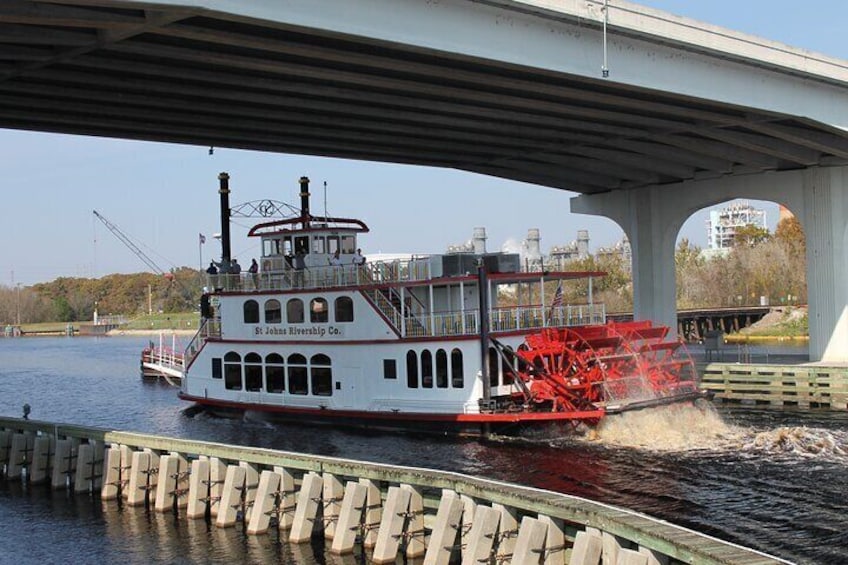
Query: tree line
(71, 299)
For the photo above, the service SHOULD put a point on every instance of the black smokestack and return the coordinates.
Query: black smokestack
(304, 200)
(224, 191)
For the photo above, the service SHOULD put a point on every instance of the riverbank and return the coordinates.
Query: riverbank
(165, 332)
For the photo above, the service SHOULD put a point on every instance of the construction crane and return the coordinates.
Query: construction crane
(140, 254)
(128, 242)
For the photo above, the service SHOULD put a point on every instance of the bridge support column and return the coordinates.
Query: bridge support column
(651, 225)
(825, 222)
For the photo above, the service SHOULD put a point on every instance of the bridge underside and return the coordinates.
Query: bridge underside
(188, 75)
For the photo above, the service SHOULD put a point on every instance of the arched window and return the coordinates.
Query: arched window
(318, 311)
(441, 368)
(232, 371)
(411, 369)
(253, 372)
(344, 309)
(273, 312)
(297, 374)
(322, 375)
(251, 312)
(457, 375)
(294, 311)
(275, 373)
(426, 369)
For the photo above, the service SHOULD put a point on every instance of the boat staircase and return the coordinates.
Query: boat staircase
(388, 302)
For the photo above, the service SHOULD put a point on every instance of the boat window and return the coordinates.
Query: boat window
(344, 309)
(318, 311)
(272, 247)
(232, 371)
(294, 311)
(217, 368)
(389, 369)
(348, 244)
(494, 365)
(253, 372)
(411, 369)
(301, 244)
(273, 312)
(332, 244)
(426, 369)
(318, 244)
(251, 312)
(457, 375)
(297, 374)
(275, 373)
(441, 368)
(322, 375)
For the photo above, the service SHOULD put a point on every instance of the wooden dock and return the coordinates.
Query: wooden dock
(389, 511)
(804, 386)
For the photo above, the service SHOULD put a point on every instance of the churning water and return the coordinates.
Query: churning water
(771, 479)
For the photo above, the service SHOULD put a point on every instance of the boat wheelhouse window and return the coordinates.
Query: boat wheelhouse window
(411, 369)
(318, 311)
(217, 368)
(348, 244)
(494, 365)
(275, 373)
(322, 375)
(273, 312)
(426, 369)
(332, 244)
(298, 382)
(272, 247)
(344, 309)
(232, 371)
(294, 311)
(441, 368)
(301, 244)
(318, 244)
(251, 312)
(253, 372)
(457, 374)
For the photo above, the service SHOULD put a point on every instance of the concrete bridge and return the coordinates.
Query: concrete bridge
(649, 116)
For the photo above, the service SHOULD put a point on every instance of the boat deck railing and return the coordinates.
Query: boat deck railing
(465, 322)
(329, 276)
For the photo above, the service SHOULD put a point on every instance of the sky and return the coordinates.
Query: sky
(164, 195)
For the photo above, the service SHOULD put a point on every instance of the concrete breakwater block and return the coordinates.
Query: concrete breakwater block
(306, 513)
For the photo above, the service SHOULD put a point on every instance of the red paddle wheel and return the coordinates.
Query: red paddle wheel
(614, 367)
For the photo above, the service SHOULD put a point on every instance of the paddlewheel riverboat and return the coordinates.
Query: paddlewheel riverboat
(460, 342)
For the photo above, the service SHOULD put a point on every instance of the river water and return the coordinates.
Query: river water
(772, 479)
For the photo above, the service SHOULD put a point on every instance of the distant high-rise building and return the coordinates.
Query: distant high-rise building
(723, 224)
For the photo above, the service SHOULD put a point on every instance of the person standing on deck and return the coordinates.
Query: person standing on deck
(254, 273)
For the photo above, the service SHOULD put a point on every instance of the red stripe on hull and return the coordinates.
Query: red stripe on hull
(330, 414)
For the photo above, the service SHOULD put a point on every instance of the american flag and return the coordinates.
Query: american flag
(557, 296)
(557, 302)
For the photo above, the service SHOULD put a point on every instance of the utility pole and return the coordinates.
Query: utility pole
(18, 304)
